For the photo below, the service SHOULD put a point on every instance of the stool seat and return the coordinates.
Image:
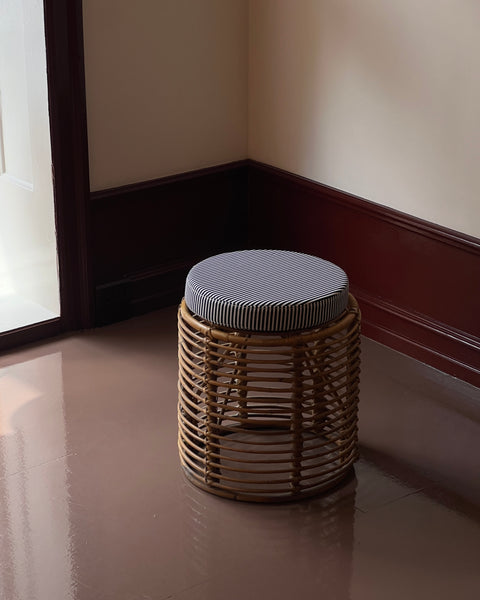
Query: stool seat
(267, 290)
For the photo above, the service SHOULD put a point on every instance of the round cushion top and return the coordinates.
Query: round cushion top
(266, 290)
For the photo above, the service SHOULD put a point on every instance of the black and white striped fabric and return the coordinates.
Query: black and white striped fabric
(266, 290)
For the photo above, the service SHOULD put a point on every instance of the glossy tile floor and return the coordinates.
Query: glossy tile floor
(93, 505)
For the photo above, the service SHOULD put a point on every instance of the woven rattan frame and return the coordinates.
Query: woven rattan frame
(268, 417)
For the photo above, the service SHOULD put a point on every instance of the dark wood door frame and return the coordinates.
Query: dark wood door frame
(68, 124)
(68, 128)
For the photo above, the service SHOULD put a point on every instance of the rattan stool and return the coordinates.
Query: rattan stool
(269, 361)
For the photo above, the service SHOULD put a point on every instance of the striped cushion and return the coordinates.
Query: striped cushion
(266, 290)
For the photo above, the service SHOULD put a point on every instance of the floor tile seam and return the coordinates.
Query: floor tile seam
(389, 502)
(32, 467)
(415, 475)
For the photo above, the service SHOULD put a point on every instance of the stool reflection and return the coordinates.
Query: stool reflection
(248, 551)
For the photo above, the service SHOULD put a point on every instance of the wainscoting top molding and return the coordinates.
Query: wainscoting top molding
(400, 219)
(167, 180)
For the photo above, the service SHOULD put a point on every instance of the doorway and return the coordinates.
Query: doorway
(29, 284)
(64, 260)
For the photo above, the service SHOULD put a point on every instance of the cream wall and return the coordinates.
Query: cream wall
(166, 85)
(377, 98)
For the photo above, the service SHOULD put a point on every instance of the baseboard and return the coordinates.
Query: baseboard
(141, 292)
(147, 235)
(444, 348)
(416, 282)
(29, 334)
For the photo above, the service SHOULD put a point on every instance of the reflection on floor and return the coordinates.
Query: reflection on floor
(93, 505)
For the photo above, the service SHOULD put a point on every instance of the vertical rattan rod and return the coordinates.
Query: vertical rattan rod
(242, 391)
(211, 465)
(314, 365)
(354, 368)
(297, 417)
